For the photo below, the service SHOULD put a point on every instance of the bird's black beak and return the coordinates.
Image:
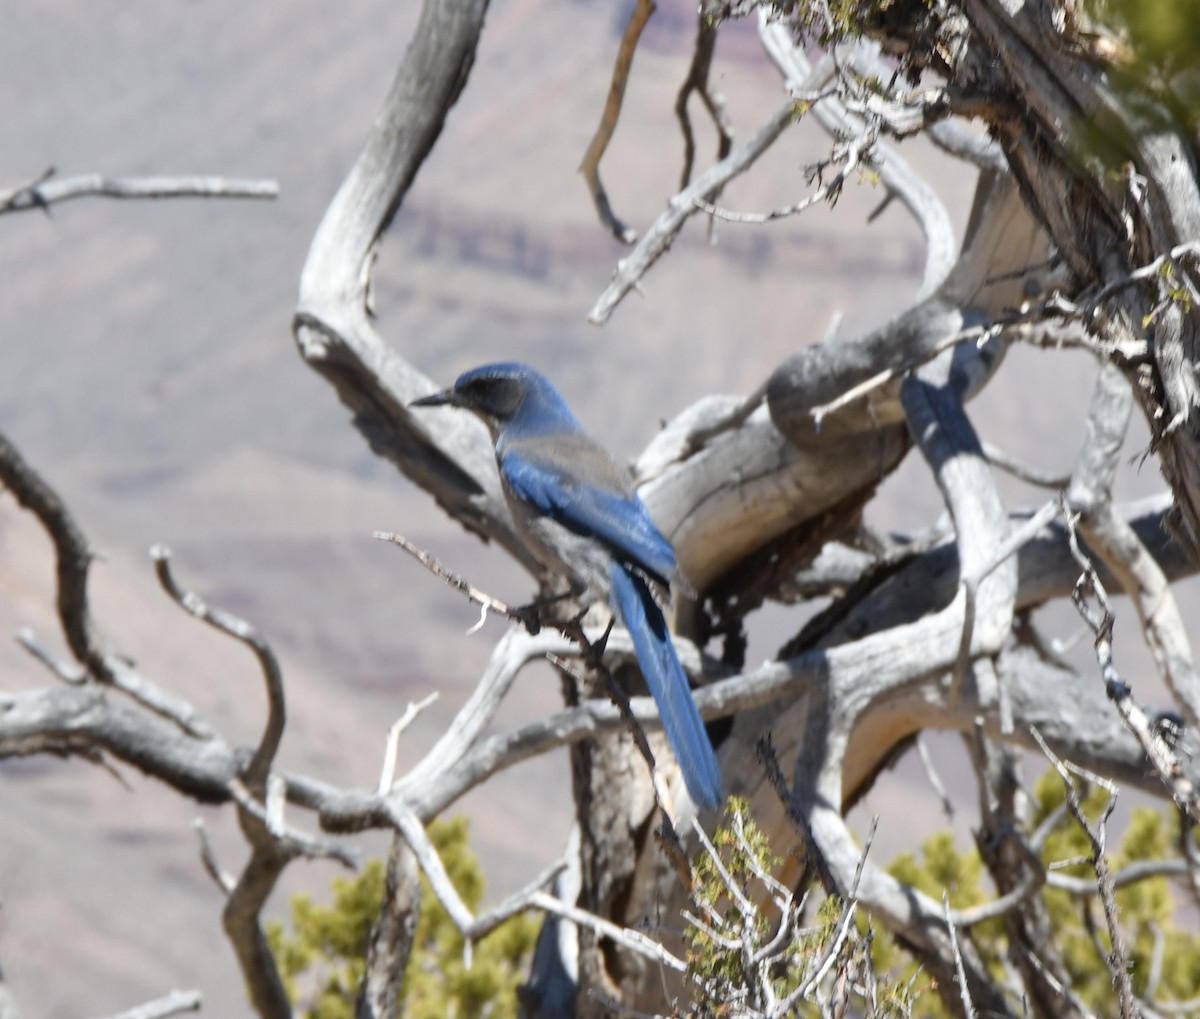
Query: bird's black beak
(447, 397)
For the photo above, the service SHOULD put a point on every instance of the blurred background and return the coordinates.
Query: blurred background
(147, 369)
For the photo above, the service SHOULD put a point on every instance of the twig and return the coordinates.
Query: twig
(43, 191)
(289, 843)
(744, 905)
(590, 167)
(663, 231)
(1030, 475)
(765, 752)
(160, 1008)
(1142, 870)
(68, 673)
(1145, 272)
(532, 897)
(849, 909)
(1091, 600)
(73, 553)
(387, 774)
(74, 556)
(1118, 965)
(978, 333)
(517, 614)
(268, 744)
(963, 990)
(855, 154)
(634, 940)
(697, 81)
(1119, 548)
(934, 779)
(1065, 990)
(208, 856)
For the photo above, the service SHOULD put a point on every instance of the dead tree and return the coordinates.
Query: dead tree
(763, 496)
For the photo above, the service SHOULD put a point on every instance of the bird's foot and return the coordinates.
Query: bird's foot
(593, 649)
(602, 643)
(531, 614)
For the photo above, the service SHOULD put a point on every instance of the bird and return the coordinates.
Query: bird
(580, 516)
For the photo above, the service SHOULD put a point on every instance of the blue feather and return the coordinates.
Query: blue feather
(619, 519)
(581, 516)
(668, 685)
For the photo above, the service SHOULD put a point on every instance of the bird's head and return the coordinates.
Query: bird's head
(508, 398)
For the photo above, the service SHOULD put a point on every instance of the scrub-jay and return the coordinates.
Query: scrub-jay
(582, 519)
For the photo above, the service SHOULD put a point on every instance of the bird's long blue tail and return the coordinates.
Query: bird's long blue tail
(668, 684)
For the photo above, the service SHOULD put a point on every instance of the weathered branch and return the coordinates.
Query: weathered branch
(1097, 834)
(73, 556)
(45, 190)
(1091, 600)
(655, 241)
(160, 1008)
(697, 82)
(590, 167)
(268, 744)
(391, 940)
(447, 453)
(1118, 546)
(900, 180)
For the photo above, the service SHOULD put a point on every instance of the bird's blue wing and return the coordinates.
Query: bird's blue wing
(618, 518)
(668, 685)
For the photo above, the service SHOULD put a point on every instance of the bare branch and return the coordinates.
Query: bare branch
(208, 856)
(239, 629)
(68, 673)
(168, 1005)
(447, 453)
(963, 990)
(527, 616)
(849, 156)
(682, 206)
(44, 191)
(590, 167)
(1090, 496)
(934, 779)
(387, 774)
(1142, 870)
(74, 557)
(1118, 965)
(532, 897)
(894, 171)
(1033, 476)
(975, 148)
(697, 81)
(1091, 600)
(392, 936)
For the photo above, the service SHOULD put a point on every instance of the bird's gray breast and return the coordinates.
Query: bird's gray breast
(584, 562)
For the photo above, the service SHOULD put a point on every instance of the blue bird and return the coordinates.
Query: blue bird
(582, 519)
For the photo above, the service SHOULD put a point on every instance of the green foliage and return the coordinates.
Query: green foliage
(1145, 907)
(740, 935)
(326, 948)
(1162, 35)
(708, 959)
(942, 868)
(834, 20)
(1154, 66)
(330, 939)
(744, 914)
